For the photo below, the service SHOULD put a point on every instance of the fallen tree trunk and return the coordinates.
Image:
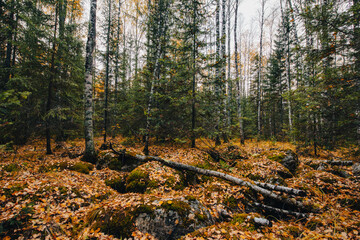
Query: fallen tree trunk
(339, 163)
(288, 190)
(280, 211)
(238, 181)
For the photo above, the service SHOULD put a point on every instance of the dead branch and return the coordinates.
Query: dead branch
(238, 181)
(280, 211)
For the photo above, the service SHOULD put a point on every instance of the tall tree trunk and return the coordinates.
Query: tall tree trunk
(260, 68)
(217, 75)
(117, 55)
(237, 77)
(107, 70)
(50, 85)
(9, 46)
(90, 154)
(223, 70)
(193, 110)
(229, 82)
(356, 44)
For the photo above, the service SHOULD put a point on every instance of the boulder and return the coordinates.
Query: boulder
(356, 169)
(290, 161)
(168, 218)
(175, 218)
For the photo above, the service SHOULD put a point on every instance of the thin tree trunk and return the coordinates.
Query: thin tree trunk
(90, 154)
(193, 110)
(9, 46)
(223, 70)
(50, 85)
(217, 75)
(117, 66)
(237, 79)
(229, 82)
(260, 69)
(107, 70)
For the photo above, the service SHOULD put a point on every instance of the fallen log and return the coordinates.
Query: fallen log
(280, 211)
(339, 163)
(238, 181)
(288, 190)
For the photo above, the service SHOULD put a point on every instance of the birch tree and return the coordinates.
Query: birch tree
(90, 154)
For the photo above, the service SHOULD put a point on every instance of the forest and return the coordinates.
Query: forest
(179, 119)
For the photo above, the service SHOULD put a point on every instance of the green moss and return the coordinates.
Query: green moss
(278, 157)
(201, 217)
(294, 231)
(148, 209)
(82, 167)
(206, 165)
(254, 177)
(119, 222)
(63, 190)
(170, 181)
(181, 207)
(137, 181)
(14, 188)
(190, 198)
(153, 184)
(19, 221)
(118, 184)
(239, 218)
(12, 167)
(231, 202)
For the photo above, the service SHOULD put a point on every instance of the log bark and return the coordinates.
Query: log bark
(180, 166)
(280, 211)
(288, 190)
(339, 163)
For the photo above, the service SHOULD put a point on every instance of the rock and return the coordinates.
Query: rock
(175, 218)
(290, 161)
(168, 218)
(322, 167)
(356, 169)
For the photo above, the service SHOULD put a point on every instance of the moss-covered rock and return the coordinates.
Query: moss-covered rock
(162, 218)
(137, 181)
(118, 184)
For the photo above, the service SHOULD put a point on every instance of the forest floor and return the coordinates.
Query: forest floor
(52, 196)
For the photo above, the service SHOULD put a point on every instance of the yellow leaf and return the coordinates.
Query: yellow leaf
(223, 230)
(169, 202)
(3, 198)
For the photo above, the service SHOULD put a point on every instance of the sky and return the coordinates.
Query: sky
(249, 10)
